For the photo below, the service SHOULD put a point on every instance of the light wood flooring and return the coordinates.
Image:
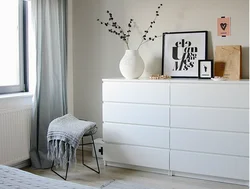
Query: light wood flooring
(82, 175)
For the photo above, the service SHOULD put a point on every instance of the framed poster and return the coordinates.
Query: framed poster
(205, 69)
(181, 52)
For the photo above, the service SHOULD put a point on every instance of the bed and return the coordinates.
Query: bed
(13, 178)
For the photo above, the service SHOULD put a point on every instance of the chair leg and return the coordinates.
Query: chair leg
(95, 155)
(82, 152)
(93, 142)
(67, 168)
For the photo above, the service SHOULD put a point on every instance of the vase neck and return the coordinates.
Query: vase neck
(132, 51)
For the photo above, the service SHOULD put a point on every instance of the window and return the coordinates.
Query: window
(12, 48)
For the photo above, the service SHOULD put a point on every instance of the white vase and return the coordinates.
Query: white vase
(131, 64)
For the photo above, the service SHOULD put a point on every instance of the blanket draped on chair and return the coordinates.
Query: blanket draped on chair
(63, 138)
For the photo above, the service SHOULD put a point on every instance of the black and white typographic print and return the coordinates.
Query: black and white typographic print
(184, 55)
(182, 52)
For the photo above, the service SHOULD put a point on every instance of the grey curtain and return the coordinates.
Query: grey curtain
(51, 68)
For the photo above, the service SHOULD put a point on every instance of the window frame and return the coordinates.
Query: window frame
(22, 54)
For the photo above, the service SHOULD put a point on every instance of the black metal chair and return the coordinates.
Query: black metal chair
(89, 133)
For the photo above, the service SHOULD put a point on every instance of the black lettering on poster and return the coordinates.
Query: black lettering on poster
(184, 55)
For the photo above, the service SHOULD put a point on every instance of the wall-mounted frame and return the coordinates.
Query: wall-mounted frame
(181, 52)
(205, 69)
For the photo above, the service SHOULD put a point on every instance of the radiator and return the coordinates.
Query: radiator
(15, 124)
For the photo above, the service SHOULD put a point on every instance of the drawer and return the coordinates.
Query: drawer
(157, 115)
(136, 135)
(152, 93)
(138, 156)
(220, 119)
(211, 165)
(210, 142)
(210, 95)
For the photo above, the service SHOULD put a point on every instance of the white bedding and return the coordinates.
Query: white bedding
(12, 178)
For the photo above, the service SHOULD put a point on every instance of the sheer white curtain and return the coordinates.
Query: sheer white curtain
(49, 20)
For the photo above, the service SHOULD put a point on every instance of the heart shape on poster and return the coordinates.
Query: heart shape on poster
(223, 26)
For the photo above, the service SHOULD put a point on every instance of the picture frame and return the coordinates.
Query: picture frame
(181, 52)
(205, 69)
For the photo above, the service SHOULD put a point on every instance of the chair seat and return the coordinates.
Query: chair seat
(91, 131)
(71, 130)
(69, 127)
(63, 138)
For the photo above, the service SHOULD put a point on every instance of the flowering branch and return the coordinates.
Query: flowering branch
(150, 39)
(144, 37)
(116, 29)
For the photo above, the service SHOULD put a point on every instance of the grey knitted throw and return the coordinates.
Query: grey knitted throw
(63, 138)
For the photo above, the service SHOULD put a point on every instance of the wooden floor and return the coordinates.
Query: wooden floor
(82, 175)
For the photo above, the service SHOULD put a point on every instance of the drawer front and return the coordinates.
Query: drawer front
(152, 93)
(208, 164)
(139, 156)
(220, 119)
(136, 114)
(210, 142)
(210, 95)
(136, 135)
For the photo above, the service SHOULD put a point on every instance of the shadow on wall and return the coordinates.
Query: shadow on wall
(152, 67)
(245, 58)
(210, 48)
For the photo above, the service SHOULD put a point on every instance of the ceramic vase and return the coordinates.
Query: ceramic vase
(131, 65)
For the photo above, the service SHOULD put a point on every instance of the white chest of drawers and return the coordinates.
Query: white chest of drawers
(197, 128)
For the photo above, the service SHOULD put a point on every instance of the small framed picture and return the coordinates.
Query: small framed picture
(205, 69)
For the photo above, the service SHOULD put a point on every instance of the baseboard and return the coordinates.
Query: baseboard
(133, 167)
(179, 174)
(211, 178)
(86, 148)
(25, 163)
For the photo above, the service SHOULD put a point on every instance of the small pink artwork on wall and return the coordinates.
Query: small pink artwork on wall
(224, 26)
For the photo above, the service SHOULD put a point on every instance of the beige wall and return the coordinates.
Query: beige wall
(70, 81)
(97, 53)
